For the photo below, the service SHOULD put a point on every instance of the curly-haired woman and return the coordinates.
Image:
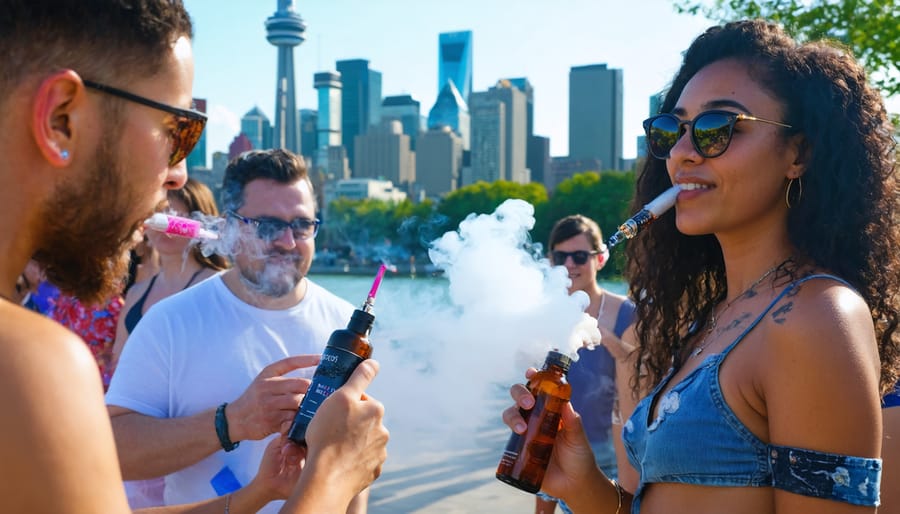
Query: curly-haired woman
(767, 300)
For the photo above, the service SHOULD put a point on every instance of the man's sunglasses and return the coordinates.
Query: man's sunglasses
(188, 123)
(711, 132)
(269, 229)
(579, 257)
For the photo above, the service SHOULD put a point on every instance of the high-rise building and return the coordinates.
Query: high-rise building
(595, 114)
(537, 153)
(239, 145)
(455, 61)
(309, 120)
(523, 85)
(513, 136)
(328, 86)
(284, 29)
(562, 168)
(452, 111)
(538, 158)
(360, 102)
(656, 101)
(255, 125)
(488, 153)
(384, 153)
(438, 161)
(197, 157)
(404, 109)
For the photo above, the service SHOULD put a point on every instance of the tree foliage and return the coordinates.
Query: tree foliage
(603, 197)
(868, 28)
(483, 198)
(378, 230)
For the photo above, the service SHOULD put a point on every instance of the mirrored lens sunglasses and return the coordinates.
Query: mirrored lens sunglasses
(187, 124)
(711, 132)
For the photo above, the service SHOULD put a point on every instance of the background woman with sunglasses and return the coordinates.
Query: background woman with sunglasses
(577, 243)
(767, 300)
(180, 266)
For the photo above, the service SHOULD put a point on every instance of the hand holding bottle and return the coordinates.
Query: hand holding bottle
(572, 467)
(346, 441)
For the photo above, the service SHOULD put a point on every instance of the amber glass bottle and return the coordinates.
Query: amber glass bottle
(346, 348)
(526, 457)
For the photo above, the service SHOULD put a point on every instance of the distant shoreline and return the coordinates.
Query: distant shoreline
(371, 270)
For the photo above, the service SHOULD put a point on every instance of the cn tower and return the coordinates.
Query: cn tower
(284, 29)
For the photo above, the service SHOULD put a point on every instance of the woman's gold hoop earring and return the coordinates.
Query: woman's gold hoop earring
(787, 191)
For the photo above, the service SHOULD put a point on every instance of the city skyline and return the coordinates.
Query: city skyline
(541, 41)
(235, 66)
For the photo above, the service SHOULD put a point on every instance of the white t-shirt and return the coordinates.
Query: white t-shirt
(204, 346)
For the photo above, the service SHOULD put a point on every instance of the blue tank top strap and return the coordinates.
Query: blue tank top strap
(790, 287)
(625, 317)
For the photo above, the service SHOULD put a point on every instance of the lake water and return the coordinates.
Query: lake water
(445, 372)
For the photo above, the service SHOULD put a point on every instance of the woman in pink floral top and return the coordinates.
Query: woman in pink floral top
(95, 324)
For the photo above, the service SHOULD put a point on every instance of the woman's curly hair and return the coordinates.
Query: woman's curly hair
(845, 222)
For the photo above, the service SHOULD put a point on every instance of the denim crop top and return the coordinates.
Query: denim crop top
(697, 439)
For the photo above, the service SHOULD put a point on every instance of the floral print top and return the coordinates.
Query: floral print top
(95, 324)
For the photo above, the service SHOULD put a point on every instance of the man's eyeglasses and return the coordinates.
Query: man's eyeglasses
(269, 229)
(579, 257)
(711, 132)
(188, 123)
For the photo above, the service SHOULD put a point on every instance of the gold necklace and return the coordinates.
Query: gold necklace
(713, 319)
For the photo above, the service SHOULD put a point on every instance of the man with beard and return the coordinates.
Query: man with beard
(87, 86)
(216, 358)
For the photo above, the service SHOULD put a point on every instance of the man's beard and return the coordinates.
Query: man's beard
(273, 280)
(87, 232)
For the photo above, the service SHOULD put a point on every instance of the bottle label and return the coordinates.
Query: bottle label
(333, 371)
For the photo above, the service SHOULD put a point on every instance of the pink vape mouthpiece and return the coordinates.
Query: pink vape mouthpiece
(370, 300)
(178, 226)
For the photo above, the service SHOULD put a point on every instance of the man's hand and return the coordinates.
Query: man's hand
(280, 468)
(346, 437)
(270, 401)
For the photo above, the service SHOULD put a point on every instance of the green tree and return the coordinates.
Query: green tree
(483, 198)
(869, 28)
(603, 197)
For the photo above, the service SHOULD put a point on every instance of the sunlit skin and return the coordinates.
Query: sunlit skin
(825, 330)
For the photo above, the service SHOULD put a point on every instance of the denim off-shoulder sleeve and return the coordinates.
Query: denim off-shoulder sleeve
(854, 480)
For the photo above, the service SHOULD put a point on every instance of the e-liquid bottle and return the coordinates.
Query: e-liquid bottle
(527, 455)
(346, 348)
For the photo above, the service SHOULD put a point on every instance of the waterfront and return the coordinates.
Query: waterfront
(444, 379)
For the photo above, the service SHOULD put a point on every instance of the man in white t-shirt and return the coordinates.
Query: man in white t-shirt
(210, 374)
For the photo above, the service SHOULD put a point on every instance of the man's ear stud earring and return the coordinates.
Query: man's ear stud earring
(64, 154)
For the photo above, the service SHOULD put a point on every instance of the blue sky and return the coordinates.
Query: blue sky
(538, 39)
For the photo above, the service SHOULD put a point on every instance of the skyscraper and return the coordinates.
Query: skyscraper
(452, 111)
(328, 86)
(360, 101)
(512, 135)
(404, 109)
(197, 157)
(438, 161)
(309, 122)
(595, 114)
(455, 61)
(331, 156)
(384, 153)
(488, 158)
(255, 125)
(284, 29)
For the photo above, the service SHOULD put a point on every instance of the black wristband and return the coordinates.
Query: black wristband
(222, 429)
